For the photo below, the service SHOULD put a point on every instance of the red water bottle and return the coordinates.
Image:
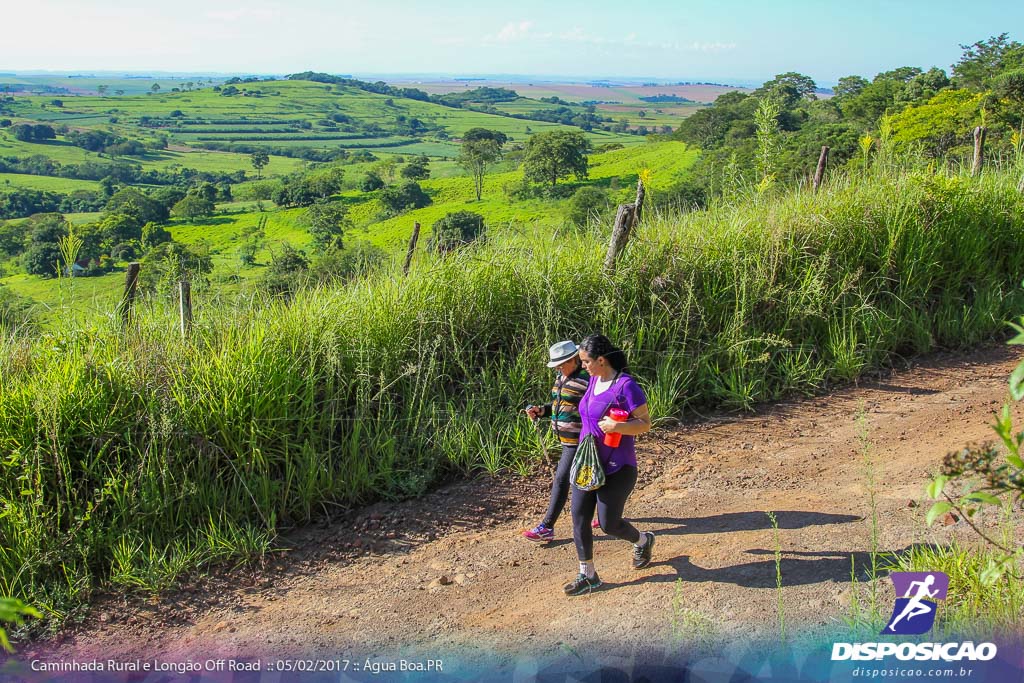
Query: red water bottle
(618, 415)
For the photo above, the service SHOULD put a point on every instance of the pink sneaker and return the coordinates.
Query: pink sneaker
(540, 534)
(596, 524)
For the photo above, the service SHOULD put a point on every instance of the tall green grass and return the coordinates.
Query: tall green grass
(129, 458)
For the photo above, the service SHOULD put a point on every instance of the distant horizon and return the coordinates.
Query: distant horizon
(402, 77)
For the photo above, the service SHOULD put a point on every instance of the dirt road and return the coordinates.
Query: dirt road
(451, 571)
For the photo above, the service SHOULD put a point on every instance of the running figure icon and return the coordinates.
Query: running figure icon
(915, 608)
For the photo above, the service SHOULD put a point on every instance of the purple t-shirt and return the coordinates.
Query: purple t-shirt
(623, 393)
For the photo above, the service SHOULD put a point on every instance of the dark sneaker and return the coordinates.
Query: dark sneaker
(583, 585)
(642, 553)
(540, 534)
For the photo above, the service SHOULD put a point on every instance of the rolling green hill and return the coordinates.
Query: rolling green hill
(616, 171)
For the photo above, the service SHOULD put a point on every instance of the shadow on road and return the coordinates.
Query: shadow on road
(743, 521)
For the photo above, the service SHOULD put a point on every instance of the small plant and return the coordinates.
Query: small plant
(688, 625)
(987, 478)
(769, 138)
(12, 611)
(780, 607)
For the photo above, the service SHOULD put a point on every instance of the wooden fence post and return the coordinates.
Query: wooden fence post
(412, 247)
(185, 306)
(131, 283)
(819, 174)
(620, 235)
(979, 150)
(638, 205)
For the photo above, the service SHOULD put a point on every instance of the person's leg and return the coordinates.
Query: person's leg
(611, 501)
(583, 503)
(560, 486)
(587, 581)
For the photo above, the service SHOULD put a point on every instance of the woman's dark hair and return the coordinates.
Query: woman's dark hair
(598, 345)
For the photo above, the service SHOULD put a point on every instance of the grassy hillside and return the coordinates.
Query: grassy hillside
(135, 457)
(616, 171)
(282, 114)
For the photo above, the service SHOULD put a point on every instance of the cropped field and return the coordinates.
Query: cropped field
(37, 182)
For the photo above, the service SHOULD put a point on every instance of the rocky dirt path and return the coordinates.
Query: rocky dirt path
(451, 571)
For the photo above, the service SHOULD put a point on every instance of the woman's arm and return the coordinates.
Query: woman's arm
(639, 422)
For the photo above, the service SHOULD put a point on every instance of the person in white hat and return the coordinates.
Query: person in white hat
(569, 387)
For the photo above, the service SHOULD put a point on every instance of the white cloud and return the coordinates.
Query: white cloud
(513, 31)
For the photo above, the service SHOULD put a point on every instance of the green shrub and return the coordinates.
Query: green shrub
(455, 230)
(587, 205)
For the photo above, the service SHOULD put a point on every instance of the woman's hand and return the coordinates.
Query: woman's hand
(533, 412)
(639, 422)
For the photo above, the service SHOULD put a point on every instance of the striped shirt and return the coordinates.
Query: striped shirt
(564, 408)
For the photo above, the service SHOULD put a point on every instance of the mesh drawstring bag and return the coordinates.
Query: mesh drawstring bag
(587, 473)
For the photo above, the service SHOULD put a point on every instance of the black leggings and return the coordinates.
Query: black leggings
(609, 500)
(560, 486)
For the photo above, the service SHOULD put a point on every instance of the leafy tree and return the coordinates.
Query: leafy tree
(252, 241)
(480, 149)
(555, 155)
(903, 74)
(41, 259)
(168, 196)
(327, 223)
(125, 251)
(370, 182)
(12, 240)
(385, 169)
(204, 190)
(287, 271)
(417, 169)
(455, 230)
(922, 87)
(849, 86)
(153, 234)
(29, 132)
(477, 134)
(259, 160)
(155, 88)
(789, 88)
(170, 262)
(192, 207)
(986, 59)
(942, 123)
(399, 198)
(136, 204)
(46, 228)
(120, 227)
(288, 260)
(873, 101)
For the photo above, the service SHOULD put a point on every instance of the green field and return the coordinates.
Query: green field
(299, 115)
(37, 182)
(616, 171)
(200, 160)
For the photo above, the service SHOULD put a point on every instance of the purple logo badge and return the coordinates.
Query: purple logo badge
(916, 593)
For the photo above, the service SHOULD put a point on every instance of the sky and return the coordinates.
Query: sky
(723, 40)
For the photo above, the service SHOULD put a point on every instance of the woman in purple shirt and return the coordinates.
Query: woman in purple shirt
(609, 387)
